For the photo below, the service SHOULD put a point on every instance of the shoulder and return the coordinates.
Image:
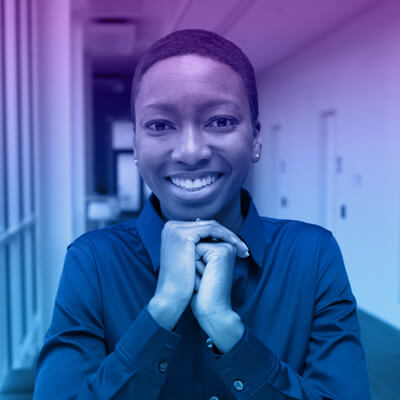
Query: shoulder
(302, 241)
(101, 241)
(295, 230)
(308, 250)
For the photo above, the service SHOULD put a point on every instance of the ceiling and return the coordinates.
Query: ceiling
(267, 30)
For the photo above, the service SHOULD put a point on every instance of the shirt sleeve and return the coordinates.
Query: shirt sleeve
(74, 362)
(335, 367)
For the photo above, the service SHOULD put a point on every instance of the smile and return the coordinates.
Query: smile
(193, 185)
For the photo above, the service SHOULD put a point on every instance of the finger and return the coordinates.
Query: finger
(215, 230)
(220, 249)
(202, 248)
(197, 255)
(200, 267)
(203, 229)
(197, 280)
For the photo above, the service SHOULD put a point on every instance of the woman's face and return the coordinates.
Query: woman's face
(194, 139)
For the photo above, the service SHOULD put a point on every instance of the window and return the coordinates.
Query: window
(19, 316)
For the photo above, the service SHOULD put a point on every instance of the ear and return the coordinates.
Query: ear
(257, 142)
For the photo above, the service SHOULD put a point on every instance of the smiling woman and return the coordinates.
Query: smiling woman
(213, 301)
(194, 140)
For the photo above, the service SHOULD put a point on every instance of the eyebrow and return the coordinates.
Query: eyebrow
(204, 106)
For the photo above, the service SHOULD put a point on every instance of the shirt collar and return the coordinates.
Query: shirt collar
(150, 224)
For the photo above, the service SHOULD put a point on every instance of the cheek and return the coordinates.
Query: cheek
(242, 166)
(240, 149)
(240, 156)
(149, 151)
(150, 159)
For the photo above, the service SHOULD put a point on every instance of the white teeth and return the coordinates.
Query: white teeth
(195, 184)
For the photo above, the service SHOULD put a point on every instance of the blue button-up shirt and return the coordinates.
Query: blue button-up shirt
(301, 338)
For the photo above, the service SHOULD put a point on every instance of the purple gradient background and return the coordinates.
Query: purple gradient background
(329, 94)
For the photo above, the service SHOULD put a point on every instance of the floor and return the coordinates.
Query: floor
(382, 345)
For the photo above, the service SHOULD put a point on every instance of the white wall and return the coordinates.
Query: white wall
(355, 72)
(54, 110)
(80, 92)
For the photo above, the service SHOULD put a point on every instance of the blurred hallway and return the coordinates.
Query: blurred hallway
(329, 94)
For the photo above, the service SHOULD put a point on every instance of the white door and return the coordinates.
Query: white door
(334, 212)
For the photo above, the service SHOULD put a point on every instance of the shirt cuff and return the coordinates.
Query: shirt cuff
(247, 366)
(148, 346)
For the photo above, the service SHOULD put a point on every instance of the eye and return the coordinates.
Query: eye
(159, 126)
(222, 123)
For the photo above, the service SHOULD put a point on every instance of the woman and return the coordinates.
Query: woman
(200, 297)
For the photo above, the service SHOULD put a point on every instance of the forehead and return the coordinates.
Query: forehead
(191, 77)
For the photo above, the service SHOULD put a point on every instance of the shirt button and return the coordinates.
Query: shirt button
(214, 398)
(163, 366)
(238, 385)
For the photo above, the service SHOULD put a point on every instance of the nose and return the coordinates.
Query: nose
(191, 147)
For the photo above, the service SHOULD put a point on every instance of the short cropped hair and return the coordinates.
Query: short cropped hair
(203, 43)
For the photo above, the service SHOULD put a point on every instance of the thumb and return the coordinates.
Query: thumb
(206, 251)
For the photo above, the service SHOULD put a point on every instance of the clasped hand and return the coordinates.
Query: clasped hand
(196, 270)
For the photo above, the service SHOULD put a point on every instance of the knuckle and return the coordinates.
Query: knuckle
(171, 231)
(169, 224)
(167, 227)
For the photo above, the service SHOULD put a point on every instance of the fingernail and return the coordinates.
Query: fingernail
(247, 253)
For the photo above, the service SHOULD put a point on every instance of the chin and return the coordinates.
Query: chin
(190, 213)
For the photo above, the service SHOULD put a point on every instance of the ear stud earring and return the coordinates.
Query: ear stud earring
(135, 161)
